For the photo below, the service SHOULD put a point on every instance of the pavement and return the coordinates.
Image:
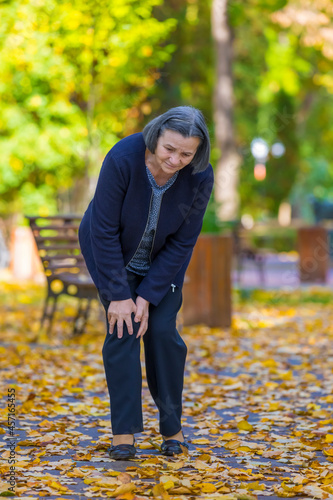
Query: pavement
(280, 271)
(225, 374)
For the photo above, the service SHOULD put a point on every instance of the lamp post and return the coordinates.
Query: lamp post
(260, 150)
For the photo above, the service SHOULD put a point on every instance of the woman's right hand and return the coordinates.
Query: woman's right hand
(118, 312)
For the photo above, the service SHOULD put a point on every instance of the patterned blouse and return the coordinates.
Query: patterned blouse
(140, 262)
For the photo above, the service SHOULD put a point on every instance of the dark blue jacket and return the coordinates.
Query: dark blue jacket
(114, 222)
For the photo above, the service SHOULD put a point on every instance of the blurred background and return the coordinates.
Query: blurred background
(78, 76)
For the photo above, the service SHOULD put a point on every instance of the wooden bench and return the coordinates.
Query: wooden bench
(323, 214)
(244, 251)
(58, 246)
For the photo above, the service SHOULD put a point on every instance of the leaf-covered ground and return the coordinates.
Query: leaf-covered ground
(257, 405)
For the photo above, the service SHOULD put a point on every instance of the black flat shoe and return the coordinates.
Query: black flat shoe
(122, 451)
(172, 447)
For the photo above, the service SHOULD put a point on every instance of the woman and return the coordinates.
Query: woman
(137, 237)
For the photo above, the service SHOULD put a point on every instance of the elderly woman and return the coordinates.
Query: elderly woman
(137, 237)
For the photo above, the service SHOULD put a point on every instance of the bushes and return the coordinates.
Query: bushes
(277, 239)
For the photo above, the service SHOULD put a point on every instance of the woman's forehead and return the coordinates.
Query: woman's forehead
(175, 139)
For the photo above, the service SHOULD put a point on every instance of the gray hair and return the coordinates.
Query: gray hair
(187, 121)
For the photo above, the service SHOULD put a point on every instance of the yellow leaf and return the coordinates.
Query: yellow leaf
(286, 375)
(46, 423)
(168, 484)
(207, 487)
(224, 489)
(228, 436)
(321, 414)
(313, 406)
(200, 465)
(292, 489)
(33, 433)
(125, 496)
(60, 410)
(200, 441)
(57, 486)
(114, 473)
(254, 486)
(329, 438)
(328, 452)
(159, 491)
(149, 461)
(82, 456)
(77, 472)
(274, 406)
(271, 385)
(244, 425)
(145, 445)
(183, 490)
(270, 363)
(323, 423)
(328, 489)
(283, 493)
(175, 465)
(184, 450)
(232, 445)
(123, 488)
(104, 482)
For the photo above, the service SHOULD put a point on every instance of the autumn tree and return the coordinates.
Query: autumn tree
(280, 84)
(76, 77)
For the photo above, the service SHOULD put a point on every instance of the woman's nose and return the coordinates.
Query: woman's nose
(174, 159)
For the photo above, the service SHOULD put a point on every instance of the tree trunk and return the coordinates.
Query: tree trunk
(227, 172)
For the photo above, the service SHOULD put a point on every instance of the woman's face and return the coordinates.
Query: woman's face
(173, 151)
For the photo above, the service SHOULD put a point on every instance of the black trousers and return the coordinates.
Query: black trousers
(165, 354)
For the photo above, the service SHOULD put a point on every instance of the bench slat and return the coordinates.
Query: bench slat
(63, 227)
(70, 246)
(60, 257)
(41, 239)
(66, 266)
(54, 217)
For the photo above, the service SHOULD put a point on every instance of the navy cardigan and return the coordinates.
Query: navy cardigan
(114, 222)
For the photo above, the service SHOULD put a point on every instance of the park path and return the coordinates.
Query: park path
(257, 406)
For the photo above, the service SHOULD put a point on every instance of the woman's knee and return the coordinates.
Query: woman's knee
(164, 334)
(159, 328)
(120, 348)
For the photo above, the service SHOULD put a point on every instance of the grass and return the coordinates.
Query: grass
(313, 295)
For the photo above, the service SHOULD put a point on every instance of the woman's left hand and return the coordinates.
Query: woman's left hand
(142, 314)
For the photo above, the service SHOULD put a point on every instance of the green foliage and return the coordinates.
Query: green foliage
(188, 78)
(280, 96)
(277, 240)
(297, 297)
(76, 77)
